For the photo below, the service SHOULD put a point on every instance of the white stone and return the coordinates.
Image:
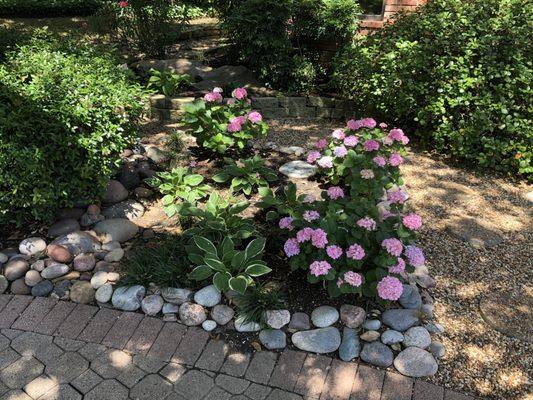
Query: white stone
(209, 296)
(277, 319)
(99, 279)
(298, 169)
(209, 325)
(32, 246)
(128, 298)
(103, 293)
(151, 305)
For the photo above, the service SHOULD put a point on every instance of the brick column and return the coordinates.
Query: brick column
(391, 8)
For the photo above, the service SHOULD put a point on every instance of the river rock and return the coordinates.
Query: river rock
(352, 316)
(299, 322)
(4, 283)
(111, 246)
(169, 308)
(128, 298)
(323, 340)
(99, 279)
(192, 314)
(370, 336)
(350, 346)
(372, 324)
(156, 155)
(3, 258)
(416, 363)
(104, 293)
(209, 296)
(241, 326)
(390, 336)
(59, 254)
(42, 289)
(116, 229)
(88, 219)
(55, 271)
(18, 286)
(32, 278)
(16, 268)
(376, 353)
(208, 325)
(32, 246)
(277, 319)
(437, 349)
(129, 209)
(273, 339)
(78, 242)
(298, 169)
(222, 314)
(417, 336)
(63, 227)
(176, 295)
(61, 290)
(434, 328)
(400, 319)
(324, 316)
(40, 265)
(115, 192)
(84, 262)
(128, 176)
(114, 255)
(82, 292)
(151, 305)
(410, 297)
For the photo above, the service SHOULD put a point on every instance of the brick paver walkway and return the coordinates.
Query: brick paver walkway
(57, 350)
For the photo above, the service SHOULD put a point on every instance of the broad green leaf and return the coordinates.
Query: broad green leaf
(200, 273)
(238, 284)
(238, 259)
(257, 270)
(227, 245)
(215, 264)
(221, 281)
(221, 177)
(255, 247)
(206, 245)
(193, 180)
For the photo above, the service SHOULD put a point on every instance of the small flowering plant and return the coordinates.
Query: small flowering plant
(219, 125)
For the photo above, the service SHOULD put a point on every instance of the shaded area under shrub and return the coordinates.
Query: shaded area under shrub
(48, 8)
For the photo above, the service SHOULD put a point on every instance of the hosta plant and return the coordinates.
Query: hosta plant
(230, 268)
(246, 175)
(179, 186)
(219, 126)
(167, 82)
(284, 201)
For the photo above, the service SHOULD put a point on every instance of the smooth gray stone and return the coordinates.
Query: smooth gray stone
(115, 192)
(128, 298)
(416, 363)
(273, 339)
(32, 246)
(372, 324)
(322, 340)
(417, 336)
(78, 242)
(209, 296)
(42, 289)
(390, 336)
(400, 319)
(437, 349)
(350, 345)
(116, 230)
(55, 271)
(177, 295)
(129, 209)
(298, 169)
(410, 297)
(378, 354)
(324, 316)
(299, 322)
(151, 305)
(63, 227)
(222, 314)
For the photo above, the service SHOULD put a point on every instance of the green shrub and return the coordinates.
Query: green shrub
(66, 113)
(48, 8)
(167, 82)
(459, 73)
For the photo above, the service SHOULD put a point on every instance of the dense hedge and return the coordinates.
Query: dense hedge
(66, 112)
(460, 71)
(48, 8)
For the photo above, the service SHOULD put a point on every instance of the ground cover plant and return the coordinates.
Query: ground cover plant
(459, 74)
(167, 82)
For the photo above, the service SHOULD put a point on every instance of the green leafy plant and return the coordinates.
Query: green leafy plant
(179, 186)
(230, 268)
(257, 300)
(217, 220)
(285, 201)
(246, 175)
(167, 82)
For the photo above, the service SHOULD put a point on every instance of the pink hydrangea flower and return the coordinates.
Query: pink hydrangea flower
(390, 288)
(319, 268)
(304, 235)
(351, 141)
(239, 93)
(398, 268)
(319, 239)
(353, 278)
(396, 134)
(339, 282)
(367, 174)
(255, 117)
(286, 223)
(313, 156)
(355, 252)
(387, 141)
(354, 125)
(326, 162)
(311, 215)
(334, 251)
(335, 192)
(397, 197)
(123, 4)
(367, 223)
(340, 151)
(415, 256)
(405, 140)
(383, 125)
(379, 161)
(211, 97)
(321, 144)
(338, 134)
(369, 123)
(241, 119)
(217, 90)
(393, 246)
(234, 127)
(412, 221)
(291, 247)
(371, 145)
(395, 159)
(230, 102)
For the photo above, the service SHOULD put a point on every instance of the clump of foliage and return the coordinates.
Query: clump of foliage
(220, 126)
(257, 300)
(67, 111)
(164, 263)
(230, 268)
(48, 8)
(246, 175)
(178, 186)
(285, 201)
(460, 73)
(167, 82)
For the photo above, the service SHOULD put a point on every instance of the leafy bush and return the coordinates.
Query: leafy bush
(257, 300)
(230, 268)
(66, 113)
(167, 82)
(462, 71)
(48, 8)
(246, 175)
(218, 126)
(359, 237)
(284, 202)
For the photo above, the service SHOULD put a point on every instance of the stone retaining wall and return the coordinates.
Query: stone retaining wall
(171, 108)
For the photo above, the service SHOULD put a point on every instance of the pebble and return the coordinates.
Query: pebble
(93, 210)
(63, 227)
(102, 266)
(59, 253)
(296, 150)
(222, 314)
(79, 242)
(55, 271)
(323, 340)
(241, 326)
(115, 192)
(299, 322)
(4, 283)
(61, 290)
(208, 325)
(88, 220)
(169, 308)
(84, 262)
(434, 328)
(38, 265)
(128, 176)
(410, 297)
(277, 319)
(111, 246)
(32, 278)
(42, 289)
(350, 346)
(370, 336)
(16, 268)
(324, 316)
(129, 209)
(99, 279)
(427, 310)
(192, 314)
(391, 336)
(352, 316)
(128, 298)
(176, 295)
(3, 258)
(18, 286)
(209, 296)
(103, 293)
(148, 234)
(400, 319)
(152, 305)
(116, 230)
(273, 339)
(32, 246)
(372, 324)
(376, 353)
(417, 336)
(416, 363)
(437, 349)
(82, 292)
(114, 255)
(156, 155)
(298, 169)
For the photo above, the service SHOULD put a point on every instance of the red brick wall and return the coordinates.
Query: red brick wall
(391, 8)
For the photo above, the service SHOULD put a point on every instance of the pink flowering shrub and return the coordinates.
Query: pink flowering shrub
(220, 125)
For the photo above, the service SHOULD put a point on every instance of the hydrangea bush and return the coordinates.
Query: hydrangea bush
(359, 238)
(220, 125)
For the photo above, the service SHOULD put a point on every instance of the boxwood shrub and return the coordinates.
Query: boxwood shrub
(48, 8)
(66, 112)
(459, 73)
